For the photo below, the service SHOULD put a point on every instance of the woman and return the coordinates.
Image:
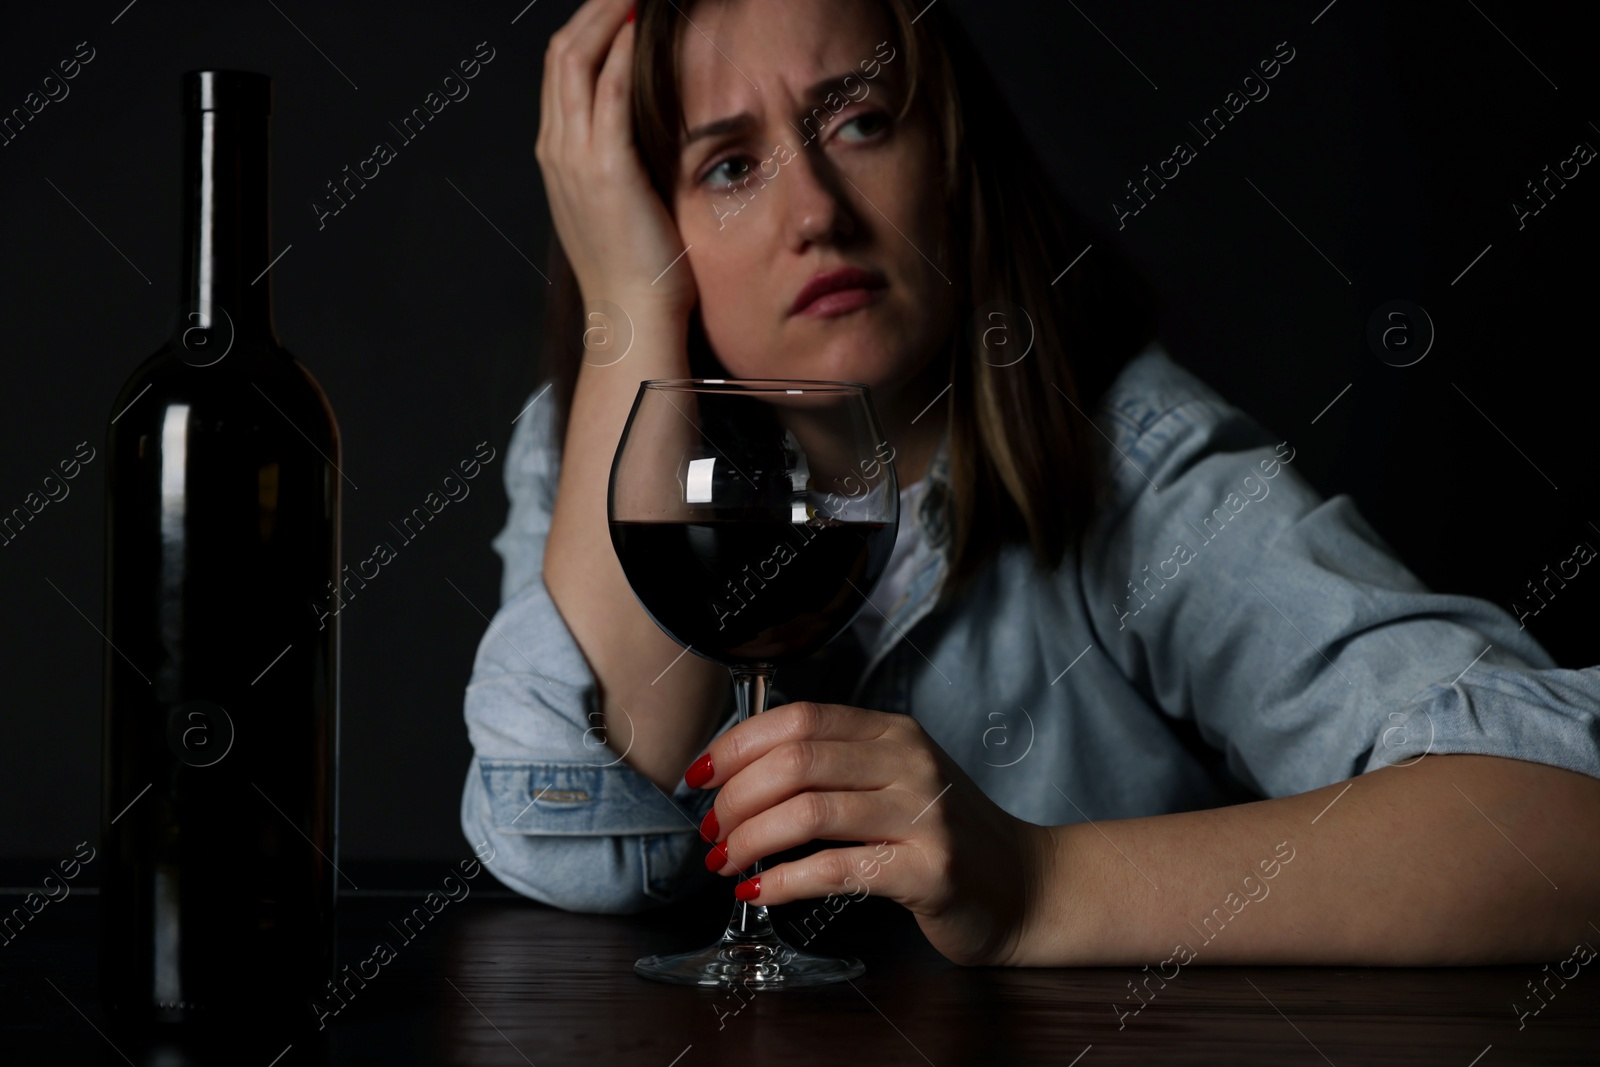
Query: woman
(1098, 637)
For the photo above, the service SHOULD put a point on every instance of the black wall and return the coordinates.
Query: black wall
(1391, 148)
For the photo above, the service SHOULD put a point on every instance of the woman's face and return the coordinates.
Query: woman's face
(798, 181)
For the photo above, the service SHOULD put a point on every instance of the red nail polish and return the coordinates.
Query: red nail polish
(748, 890)
(699, 772)
(717, 858)
(631, 12)
(708, 825)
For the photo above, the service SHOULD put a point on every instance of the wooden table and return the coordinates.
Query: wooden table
(496, 979)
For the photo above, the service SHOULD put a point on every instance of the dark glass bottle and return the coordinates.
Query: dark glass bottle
(220, 758)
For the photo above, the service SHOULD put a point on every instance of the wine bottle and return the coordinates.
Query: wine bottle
(220, 731)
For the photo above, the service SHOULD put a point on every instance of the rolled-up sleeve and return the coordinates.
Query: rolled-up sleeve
(1280, 623)
(565, 821)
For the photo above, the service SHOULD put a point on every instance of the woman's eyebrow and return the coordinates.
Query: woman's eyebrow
(731, 124)
(743, 120)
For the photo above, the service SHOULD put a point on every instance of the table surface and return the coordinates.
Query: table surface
(496, 979)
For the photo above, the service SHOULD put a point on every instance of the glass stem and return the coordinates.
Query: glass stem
(749, 922)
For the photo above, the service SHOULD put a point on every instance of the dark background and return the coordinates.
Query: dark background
(1395, 141)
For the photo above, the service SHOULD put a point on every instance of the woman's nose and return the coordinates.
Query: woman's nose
(816, 201)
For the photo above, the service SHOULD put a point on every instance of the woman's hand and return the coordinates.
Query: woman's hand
(617, 233)
(971, 873)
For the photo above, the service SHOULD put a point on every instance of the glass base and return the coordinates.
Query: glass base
(750, 955)
(750, 967)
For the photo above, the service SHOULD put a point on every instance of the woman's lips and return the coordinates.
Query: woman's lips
(840, 301)
(835, 292)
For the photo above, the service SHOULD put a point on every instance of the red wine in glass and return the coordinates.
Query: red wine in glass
(752, 590)
(752, 518)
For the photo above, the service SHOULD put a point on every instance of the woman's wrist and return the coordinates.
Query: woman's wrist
(1044, 933)
(646, 308)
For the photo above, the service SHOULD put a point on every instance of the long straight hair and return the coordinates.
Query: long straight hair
(1020, 448)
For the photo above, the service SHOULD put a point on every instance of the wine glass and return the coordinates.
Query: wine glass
(752, 518)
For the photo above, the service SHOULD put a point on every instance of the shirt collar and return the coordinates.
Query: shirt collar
(931, 508)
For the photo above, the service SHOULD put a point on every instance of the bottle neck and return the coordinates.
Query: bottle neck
(227, 227)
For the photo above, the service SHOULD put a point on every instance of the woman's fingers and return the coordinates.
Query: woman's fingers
(615, 229)
(613, 117)
(587, 38)
(554, 106)
(851, 815)
(803, 720)
(838, 873)
(794, 767)
(563, 98)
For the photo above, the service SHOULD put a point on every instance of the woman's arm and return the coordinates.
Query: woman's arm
(1306, 652)
(579, 709)
(658, 706)
(620, 240)
(1455, 859)
(554, 812)
(1450, 859)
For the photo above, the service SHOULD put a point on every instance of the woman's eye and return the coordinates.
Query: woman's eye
(867, 123)
(728, 171)
(734, 169)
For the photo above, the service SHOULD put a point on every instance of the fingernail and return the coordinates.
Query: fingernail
(631, 11)
(708, 825)
(699, 772)
(748, 890)
(717, 858)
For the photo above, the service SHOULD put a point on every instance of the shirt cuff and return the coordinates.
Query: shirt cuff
(1542, 716)
(546, 797)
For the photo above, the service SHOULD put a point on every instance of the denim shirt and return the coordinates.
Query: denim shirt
(1220, 633)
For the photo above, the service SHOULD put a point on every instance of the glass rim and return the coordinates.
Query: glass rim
(753, 385)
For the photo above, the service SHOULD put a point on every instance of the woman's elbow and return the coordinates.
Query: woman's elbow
(615, 874)
(573, 874)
